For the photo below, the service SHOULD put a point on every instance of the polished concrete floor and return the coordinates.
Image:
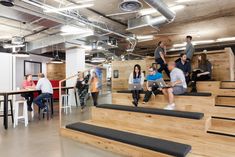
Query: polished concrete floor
(41, 138)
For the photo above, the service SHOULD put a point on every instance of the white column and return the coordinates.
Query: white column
(75, 61)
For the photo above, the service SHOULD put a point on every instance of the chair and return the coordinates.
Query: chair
(11, 108)
(48, 104)
(65, 103)
(24, 115)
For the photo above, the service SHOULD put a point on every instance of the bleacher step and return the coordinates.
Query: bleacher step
(225, 127)
(226, 101)
(228, 84)
(224, 112)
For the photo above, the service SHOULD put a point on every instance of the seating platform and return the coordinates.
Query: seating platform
(155, 144)
(181, 114)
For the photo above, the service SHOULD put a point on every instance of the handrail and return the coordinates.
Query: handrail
(62, 81)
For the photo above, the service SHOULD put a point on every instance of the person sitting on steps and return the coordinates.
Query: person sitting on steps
(136, 77)
(185, 66)
(203, 72)
(178, 85)
(153, 76)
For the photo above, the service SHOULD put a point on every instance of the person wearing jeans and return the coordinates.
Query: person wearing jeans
(82, 88)
(136, 77)
(94, 88)
(44, 85)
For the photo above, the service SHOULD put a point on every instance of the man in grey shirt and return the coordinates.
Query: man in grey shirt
(189, 48)
(178, 85)
(46, 88)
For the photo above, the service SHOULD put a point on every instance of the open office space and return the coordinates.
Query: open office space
(113, 78)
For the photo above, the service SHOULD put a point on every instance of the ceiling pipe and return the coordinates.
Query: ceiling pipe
(168, 15)
(79, 19)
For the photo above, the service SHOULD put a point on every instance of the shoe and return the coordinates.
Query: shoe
(135, 103)
(45, 109)
(170, 107)
(194, 90)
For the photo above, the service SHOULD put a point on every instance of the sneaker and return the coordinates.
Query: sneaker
(135, 103)
(45, 109)
(170, 107)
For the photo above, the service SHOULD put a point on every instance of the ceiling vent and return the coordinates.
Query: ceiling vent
(130, 5)
(7, 3)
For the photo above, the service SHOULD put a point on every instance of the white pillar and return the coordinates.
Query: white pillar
(75, 61)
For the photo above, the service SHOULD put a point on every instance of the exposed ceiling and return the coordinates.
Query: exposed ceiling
(203, 19)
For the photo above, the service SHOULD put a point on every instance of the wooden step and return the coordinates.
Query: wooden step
(211, 142)
(222, 127)
(150, 121)
(228, 84)
(184, 103)
(223, 112)
(226, 101)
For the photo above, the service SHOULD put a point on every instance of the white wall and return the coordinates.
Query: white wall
(6, 72)
(75, 61)
(19, 67)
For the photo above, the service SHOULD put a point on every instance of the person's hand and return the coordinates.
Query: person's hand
(172, 84)
(198, 75)
(160, 89)
(149, 88)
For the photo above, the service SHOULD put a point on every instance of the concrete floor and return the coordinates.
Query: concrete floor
(41, 138)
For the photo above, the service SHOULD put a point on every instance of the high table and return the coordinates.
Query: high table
(7, 93)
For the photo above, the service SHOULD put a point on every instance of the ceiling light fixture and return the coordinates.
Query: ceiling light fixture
(21, 54)
(142, 38)
(98, 60)
(68, 8)
(8, 46)
(225, 39)
(67, 29)
(202, 42)
(183, 1)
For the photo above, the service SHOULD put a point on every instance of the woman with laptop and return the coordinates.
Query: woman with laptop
(203, 72)
(136, 81)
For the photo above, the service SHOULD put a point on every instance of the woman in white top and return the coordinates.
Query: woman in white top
(136, 77)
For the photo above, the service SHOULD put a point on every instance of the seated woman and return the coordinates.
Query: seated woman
(82, 87)
(28, 84)
(203, 72)
(136, 78)
(151, 88)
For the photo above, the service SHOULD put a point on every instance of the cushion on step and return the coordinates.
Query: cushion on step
(185, 94)
(173, 113)
(155, 144)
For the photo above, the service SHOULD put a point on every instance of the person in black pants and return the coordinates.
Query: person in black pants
(185, 66)
(82, 87)
(94, 88)
(159, 55)
(152, 87)
(28, 84)
(137, 78)
(203, 72)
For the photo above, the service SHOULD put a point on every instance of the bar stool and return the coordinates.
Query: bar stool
(11, 108)
(25, 112)
(65, 103)
(47, 103)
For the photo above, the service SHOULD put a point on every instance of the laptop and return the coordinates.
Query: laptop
(162, 84)
(152, 83)
(135, 87)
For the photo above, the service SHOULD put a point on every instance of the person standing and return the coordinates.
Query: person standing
(136, 77)
(189, 48)
(185, 66)
(159, 55)
(28, 84)
(46, 91)
(82, 87)
(94, 88)
(203, 72)
(178, 85)
(153, 89)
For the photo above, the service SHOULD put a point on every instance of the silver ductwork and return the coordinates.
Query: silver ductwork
(160, 6)
(150, 23)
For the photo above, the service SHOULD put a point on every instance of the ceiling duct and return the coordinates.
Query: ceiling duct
(130, 5)
(149, 23)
